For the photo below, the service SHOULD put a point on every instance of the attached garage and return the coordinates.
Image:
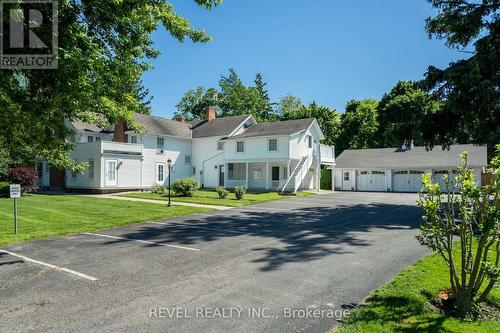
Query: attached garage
(400, 170)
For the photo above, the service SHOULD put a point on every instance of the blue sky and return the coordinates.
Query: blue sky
(329, 51)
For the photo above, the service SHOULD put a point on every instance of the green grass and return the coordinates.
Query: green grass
(43, 216)
(402, 305)
(210, 197)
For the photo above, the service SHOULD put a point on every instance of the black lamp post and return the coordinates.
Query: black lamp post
(169, 164)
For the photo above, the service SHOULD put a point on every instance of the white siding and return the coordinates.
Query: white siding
(82, 153)
(207, 160)
(257, 149)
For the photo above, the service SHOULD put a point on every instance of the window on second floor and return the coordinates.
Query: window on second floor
(187, 159)
(220, 145)
(273, 144)
(160, 143)
(240, 147)
(90, 138)
(309, 141)
(133, 139)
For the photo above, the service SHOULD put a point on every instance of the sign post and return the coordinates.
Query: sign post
(15, 192)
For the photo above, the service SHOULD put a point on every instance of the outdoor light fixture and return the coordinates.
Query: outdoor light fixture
(169, 164)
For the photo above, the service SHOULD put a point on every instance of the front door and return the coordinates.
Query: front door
(111, 173)
(221, 175)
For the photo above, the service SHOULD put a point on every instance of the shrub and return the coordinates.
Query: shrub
(239, 191)
(26, 177)
(468, 218)
(158, 189)
(185, 187)
(4, 189)
(222, 192)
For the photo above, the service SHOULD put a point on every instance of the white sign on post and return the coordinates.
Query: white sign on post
(15, 191)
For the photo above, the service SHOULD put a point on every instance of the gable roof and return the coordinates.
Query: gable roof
(218, 126)
(285, 127)
(88, 127)
(162, 126)
(418, 157)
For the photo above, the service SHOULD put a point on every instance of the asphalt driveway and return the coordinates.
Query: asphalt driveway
(262, 268)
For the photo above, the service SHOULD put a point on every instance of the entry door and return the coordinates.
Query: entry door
(275, 173)
(221, 175)
(111, 173)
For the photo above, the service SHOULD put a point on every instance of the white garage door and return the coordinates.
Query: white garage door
(407, 180)
(438, 176)
(371, 180)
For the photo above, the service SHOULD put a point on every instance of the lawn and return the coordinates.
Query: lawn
(402, 305)
(210, 197)
(43, 216)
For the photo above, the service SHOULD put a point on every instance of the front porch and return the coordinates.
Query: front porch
(272, 175)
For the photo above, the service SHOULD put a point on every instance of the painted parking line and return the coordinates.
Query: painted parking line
(61, 269)
(198, 227)
(141, 241)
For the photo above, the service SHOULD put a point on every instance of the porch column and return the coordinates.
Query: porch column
(318, 175)
(226, 171)
(288, 170)
(333, 178)
(267, 175)
(246, 175)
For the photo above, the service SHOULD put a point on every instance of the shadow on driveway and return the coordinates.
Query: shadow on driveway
(305, 233)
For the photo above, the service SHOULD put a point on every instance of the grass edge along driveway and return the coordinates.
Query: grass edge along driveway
(402, 305)
(210, 197)
(45, 216)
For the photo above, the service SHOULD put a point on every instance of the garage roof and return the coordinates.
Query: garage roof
(418, 157)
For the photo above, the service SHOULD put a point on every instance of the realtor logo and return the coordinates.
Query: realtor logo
(28, 34)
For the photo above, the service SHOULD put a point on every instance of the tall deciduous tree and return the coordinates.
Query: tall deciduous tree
(469, 88)
(328, 119)
(104, 47)
(404, 112)
(288, 106)
(359, 126)
(194, 102)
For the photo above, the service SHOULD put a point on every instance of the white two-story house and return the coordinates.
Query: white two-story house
(234, 151)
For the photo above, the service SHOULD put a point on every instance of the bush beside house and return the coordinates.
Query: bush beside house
(185, 187)
(239, 192)
(326, 179)
(222, 192)
(26, 177)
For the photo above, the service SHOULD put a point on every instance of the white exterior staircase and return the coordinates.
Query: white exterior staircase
(296, 177)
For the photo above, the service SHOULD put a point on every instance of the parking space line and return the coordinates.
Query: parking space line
(142, 241)
(198, 227)
(61, 269)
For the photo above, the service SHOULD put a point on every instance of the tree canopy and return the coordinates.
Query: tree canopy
(468, 88)
(104, 47)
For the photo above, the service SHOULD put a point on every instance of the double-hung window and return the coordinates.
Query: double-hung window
(160, 143)
(272, 145)
(240, 146)
(220, 145)
(187, 159)
(133, 139)
(160, 172)
(90, 138)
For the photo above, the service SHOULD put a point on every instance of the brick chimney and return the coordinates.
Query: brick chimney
(210, 113)
(180, 119)
(119, 132)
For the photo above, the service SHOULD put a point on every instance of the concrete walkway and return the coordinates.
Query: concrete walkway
(161, 202)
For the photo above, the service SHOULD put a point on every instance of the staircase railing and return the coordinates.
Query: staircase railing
(292, 174)
(299, 177)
